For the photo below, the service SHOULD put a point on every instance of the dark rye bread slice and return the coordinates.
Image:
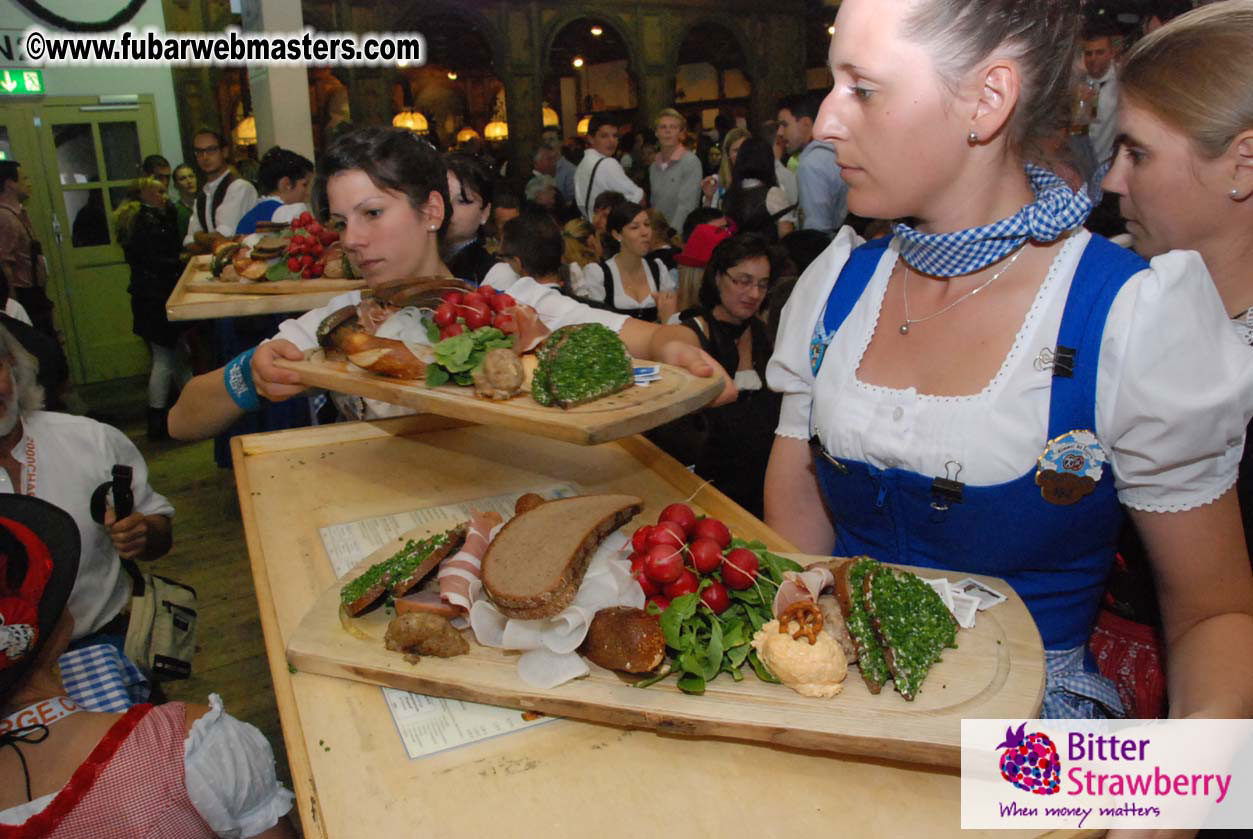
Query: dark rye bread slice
(401, 571)
(534, 566)
(912, 623)
(849, 580)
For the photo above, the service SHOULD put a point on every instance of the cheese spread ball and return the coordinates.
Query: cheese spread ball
(809, 669)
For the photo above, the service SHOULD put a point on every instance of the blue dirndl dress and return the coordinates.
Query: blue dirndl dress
(1056, 557)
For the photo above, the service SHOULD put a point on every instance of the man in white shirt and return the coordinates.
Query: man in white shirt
(823, 195)
(675, 173)
(1098, 60)
(599, 171)
(62, 458)
(225, 196)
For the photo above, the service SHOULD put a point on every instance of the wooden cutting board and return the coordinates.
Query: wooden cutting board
(997, 670)
(620, 415)
(198, 296)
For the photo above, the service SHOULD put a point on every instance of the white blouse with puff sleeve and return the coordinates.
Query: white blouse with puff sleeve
(230, 777)
(1174, 385)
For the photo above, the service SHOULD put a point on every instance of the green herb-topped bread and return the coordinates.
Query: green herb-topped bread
(580, 363)
(912, 624)
(401, 571)
(849, 581)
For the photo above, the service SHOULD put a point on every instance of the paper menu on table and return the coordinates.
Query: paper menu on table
(349, 543)
(429, 724)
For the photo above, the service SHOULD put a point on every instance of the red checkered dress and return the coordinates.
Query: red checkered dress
(133, 785)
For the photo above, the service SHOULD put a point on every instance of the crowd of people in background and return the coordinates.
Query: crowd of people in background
(689, 241)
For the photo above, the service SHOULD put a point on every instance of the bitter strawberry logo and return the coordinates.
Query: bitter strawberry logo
(1030, 762)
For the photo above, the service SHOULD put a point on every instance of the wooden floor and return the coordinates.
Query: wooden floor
(208, 554)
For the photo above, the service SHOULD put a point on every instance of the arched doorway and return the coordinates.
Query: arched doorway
(711, 76)
(712, 88)
(457, 92)
(589, 71)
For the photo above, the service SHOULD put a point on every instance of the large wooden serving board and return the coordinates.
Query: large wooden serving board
(997, 670)
(620, 415)
(198, 296)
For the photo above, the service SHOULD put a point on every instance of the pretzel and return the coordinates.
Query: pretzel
(808, 618)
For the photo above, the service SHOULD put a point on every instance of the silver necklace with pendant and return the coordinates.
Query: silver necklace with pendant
(904, 329)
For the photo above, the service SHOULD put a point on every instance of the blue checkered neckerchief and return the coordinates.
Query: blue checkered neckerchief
(1056, 209)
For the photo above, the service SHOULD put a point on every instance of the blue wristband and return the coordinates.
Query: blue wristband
(237, 376)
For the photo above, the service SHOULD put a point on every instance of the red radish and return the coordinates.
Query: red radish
(503, 301)
(639, 540)
(328, 236)
(505, 323)
(667, 533)
(487, 291)
(306, 260)
(646, 585)
(293, 265)
(445, 314)
(739, 569)
(715, 596)
(474, 298)
(712, 529)
(685, 584)
(453, 297)
(664, 564)
(662, 603)
(706, 555)
(476, 316)
(451, 331)
(680, 514)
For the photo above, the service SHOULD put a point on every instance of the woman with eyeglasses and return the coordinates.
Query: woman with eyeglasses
(730, 445)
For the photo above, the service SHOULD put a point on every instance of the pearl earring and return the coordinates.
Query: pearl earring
(973, 137)
(1235, 193)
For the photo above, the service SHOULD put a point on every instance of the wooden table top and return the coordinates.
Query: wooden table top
(349, 768)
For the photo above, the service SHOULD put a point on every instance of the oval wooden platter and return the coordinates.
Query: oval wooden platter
(619, 415)
(997, 670)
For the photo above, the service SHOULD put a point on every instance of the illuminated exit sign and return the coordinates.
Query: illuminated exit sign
(19, 82)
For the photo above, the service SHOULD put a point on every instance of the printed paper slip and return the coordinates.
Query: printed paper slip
(430, 724)
(347, 544)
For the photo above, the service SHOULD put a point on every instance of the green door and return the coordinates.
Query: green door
(90, 155)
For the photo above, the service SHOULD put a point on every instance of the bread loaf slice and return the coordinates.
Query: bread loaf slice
(911, 622)
(849, 583)
(534, 566)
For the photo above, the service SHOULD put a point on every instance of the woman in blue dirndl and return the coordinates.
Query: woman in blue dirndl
(989, 388)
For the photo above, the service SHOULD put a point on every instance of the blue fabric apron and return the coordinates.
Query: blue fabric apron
(1056, 557)
(261, 211)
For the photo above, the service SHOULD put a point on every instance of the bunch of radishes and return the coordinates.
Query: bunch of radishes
(674, 557)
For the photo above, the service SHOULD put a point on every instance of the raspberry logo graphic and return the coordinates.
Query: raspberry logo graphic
(1030, 762)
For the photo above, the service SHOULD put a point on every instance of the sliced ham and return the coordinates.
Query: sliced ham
(800, 586)
(531, 330)
(425, 601)
(459, 574)
(371, 314)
